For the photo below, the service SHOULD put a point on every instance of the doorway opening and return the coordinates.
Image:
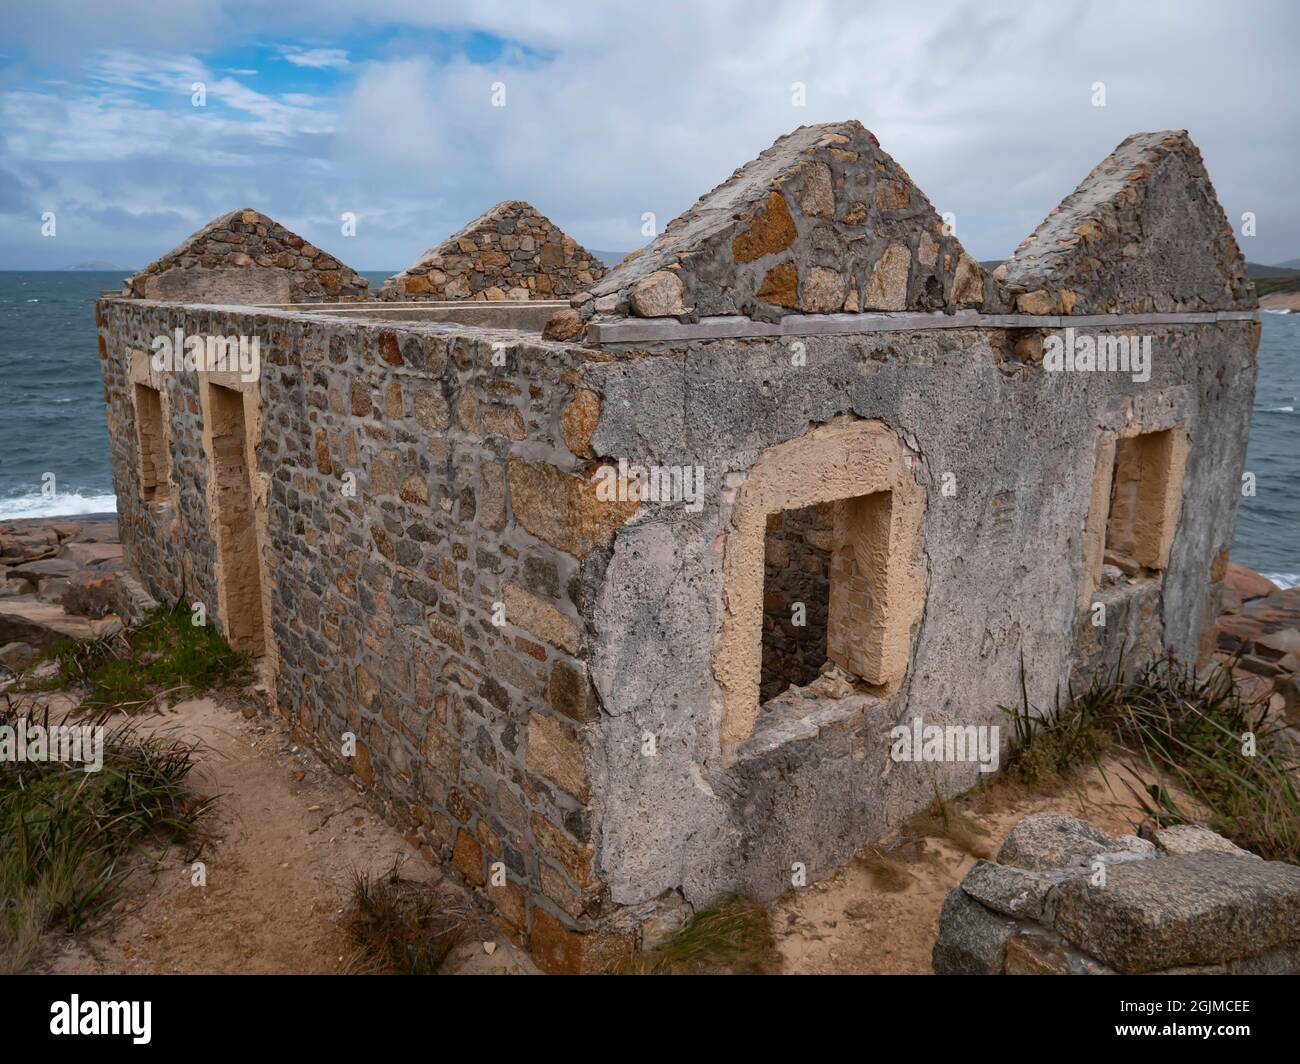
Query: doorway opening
(238, 565)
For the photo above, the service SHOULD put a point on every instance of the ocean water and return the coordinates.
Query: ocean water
(52, 416)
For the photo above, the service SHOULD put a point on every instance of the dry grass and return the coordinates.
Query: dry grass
(887, 872)
(66, 834)
(1187, 730)
(400, 926)
(734, 937)
(944, 821)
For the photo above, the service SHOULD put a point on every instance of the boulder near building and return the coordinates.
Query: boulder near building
(615, 600)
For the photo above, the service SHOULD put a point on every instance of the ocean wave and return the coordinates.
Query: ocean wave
(1276, 310)
(68, 504)
(1283, 580)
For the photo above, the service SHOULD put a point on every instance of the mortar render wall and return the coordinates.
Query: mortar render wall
(1004, 560)
(475, 737)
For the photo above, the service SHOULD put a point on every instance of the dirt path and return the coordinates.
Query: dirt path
(847, 924)
(289, 835)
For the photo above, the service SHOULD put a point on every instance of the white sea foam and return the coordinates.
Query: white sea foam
(1276, 310)
(1284, 580)
(62, 505)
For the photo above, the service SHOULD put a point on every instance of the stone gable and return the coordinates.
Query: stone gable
(823, 221)
(247, 257)
(511, 252)
(1143, 232)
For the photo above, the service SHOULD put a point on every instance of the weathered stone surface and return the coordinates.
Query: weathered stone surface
(560, 950)
(563, 509)
(823, 291)
(570, 692)
(1201, 908)
(18, 656)
(780, 286)
(824, 200)
(564, 324)
(1008, 889)
(42, 624)
(887, 286)
(1044, 841)
(1248, 583)
(972, 939)
(818, 198)
(467, 856)
(245, 256)
(658, 296)
(1031, 953)
(555, 753)
(1191, 838)
(1111, 241)
(967, 283)
(540, 617)
(579, 420)
(771, 230)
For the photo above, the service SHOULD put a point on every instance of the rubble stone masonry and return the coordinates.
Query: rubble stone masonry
(511, 252)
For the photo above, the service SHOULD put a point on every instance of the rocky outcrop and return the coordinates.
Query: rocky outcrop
(511, 252)
(1064, 898)
(1258, 637)
(59, 579)
(245, 257)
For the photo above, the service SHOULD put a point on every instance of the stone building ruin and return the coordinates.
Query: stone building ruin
(427, 514)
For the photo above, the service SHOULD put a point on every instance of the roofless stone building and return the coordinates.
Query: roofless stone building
(621, 611)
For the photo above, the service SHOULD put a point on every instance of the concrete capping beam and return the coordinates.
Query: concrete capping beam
(641, 330)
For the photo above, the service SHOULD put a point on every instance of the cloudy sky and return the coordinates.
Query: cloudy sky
(386, 110)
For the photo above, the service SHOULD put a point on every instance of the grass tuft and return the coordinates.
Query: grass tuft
(65, 833)
(1194, 733)
(400, 926)
(733, 937)
(127, 671)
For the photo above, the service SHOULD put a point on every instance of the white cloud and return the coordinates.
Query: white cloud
(620, 108)
(316, 58)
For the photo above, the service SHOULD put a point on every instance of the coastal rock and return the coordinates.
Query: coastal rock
(1247, 583)
(17, 656)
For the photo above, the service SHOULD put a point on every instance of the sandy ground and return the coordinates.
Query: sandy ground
(847, 924)
(289, 834)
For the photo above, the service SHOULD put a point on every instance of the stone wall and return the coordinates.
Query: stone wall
(511, 252)
(382, 602)
(247, 257)
(1002, 552)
